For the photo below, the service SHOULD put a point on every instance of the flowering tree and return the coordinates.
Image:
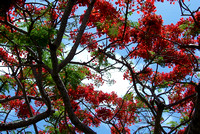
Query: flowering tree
(42, 81)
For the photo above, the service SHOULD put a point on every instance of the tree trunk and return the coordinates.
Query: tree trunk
(157, 128)
(194, 126)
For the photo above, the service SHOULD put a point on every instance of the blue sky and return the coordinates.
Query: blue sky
(171, 13)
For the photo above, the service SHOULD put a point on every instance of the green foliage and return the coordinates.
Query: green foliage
(140, 104)
(52, 129)
(46, 58)
(152, 52)
(102, 59)
(173, 123)
(72, 24)
(159, 60)
(185, 118)
(39, 35)
(159, 90)
(130, 13)
(73, 75)
(12, 132)
(165, 84)
(113, 30)
(49, 81)
(4, 31)
(128, 96)
(134, 24)
(198, 75)
(6, 84)
(56, 115)
(98, 24)
(4, 87)
(184, 26)
(189, 27)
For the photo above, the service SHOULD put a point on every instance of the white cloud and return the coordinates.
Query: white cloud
(3, 69)
(84, 56)
(120, 86)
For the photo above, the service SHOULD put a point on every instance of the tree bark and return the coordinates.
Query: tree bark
(157, 128)
(27, 122)
(66, 99)
(194, 126)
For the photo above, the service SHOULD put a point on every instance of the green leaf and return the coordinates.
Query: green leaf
(102, 59)
(99, 24)
(113, 31)
(183, 26)
(130, 13)
(134, 24)
(172, 123)
(159, 90)
(198, 74)
(152, 52)
(55, 116)
(13, 132)
(165, 84)
(128, 96)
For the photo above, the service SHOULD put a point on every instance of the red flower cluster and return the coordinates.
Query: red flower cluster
(7, 59)
(24, 111)
(104, 113)
(151, 23)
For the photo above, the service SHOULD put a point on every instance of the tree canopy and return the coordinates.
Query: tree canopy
(42, 80)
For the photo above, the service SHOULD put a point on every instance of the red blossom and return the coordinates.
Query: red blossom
(24, 111)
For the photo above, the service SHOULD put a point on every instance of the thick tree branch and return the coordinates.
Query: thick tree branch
(66, 99)
(20, 97)
(13, 26)
(194, 126)
(157, 128)
(180, 101)
(25, 97)
(26, 122)
(79, 36)
(40, 87)
(64, 21)
(59, 83)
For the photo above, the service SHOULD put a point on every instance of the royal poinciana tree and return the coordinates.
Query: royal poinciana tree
(42, 80)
